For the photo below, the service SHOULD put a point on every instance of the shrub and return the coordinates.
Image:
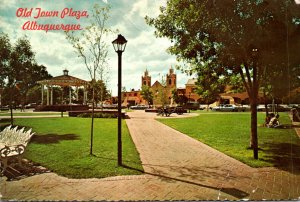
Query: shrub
(97, 115)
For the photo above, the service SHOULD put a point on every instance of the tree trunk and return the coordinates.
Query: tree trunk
(254, 139)
(266, 104)
(92, 124)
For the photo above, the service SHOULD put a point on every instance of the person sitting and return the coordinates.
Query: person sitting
(274, 122)
(268, 118)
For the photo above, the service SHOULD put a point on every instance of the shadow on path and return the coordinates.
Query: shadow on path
(231, 191)
(284, 156)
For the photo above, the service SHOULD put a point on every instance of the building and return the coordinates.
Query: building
(161, 90)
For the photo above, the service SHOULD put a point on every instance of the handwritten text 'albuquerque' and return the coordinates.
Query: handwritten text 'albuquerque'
(39, 13)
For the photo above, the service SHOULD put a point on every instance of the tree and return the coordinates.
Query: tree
(5, 52)
(91, 46)
(179, 99)
(242, 37)
(147, 94)
(101, 92)
(161, 91)
(21, 70)
(209, 83)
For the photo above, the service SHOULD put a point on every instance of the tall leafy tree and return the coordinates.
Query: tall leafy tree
(209, 83)
(24, 72)
(19, 70)
(242, 37)
(180, 99)
(101, 92)
(147, 94)
(5, 53)
(91, 46)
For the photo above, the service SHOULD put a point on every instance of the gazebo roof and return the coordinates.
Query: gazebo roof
(64, 80)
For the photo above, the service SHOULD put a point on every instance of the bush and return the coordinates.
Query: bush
(97, 115)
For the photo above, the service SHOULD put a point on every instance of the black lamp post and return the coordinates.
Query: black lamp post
(254, 103)
(119, 46)
(190, 102)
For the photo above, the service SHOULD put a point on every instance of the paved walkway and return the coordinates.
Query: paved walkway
(176, 166)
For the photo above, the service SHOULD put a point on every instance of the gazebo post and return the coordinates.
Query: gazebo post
(84, 95)
(76, 93)
(47, 95)
(62, 96)
(70, 99)
(42, 94)
(51, 95)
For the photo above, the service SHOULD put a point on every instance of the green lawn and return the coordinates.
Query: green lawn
(30, 114)
(62, 145)
(230, 134)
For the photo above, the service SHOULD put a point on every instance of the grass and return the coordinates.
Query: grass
(230, 134)
(30, 114)
(63, 145)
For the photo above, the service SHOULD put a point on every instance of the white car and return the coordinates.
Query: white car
(228, 108)
(139, 107)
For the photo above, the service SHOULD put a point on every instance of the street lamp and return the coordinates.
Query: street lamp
(254, 91)
(190, 102)
(119, 46)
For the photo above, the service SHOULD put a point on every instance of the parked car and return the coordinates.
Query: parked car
(278, 108)
(30, 105)
(192, 106)
(261, 108)
(4, 108)
(294, 105)
(139, 107)
(228, 108)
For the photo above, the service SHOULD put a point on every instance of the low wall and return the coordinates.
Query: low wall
(76, 113)
(61, 108)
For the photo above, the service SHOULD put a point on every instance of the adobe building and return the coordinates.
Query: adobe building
(162, 92)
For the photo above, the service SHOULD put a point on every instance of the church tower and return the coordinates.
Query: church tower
(146, 79)
(171, 78)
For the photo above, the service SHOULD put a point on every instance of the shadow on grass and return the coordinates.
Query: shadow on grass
(284, 156)
(53, 138)
(4, 122)
(231, 191)
(287, 126)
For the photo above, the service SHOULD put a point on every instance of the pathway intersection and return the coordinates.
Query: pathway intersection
(176, 167)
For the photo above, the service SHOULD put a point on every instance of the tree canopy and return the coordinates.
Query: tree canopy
(227, 32)
(242, 38)
(19, 69)
(147, 94)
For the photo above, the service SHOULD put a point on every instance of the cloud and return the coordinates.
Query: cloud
(52, 49)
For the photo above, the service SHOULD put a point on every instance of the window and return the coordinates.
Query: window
(170, 81)
(145, 83)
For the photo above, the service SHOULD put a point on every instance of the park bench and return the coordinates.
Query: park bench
(13, 143)
(169, 110)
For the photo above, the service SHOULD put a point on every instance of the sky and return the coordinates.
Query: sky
(143, 50)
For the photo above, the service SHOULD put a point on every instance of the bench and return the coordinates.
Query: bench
(169, 110)
(13, 143)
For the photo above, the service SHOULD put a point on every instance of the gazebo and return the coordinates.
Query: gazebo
(63, 81)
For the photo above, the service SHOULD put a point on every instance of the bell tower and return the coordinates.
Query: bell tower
(146, 79)
(171, 78)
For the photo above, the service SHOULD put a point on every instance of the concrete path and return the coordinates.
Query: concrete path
(176, 166)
